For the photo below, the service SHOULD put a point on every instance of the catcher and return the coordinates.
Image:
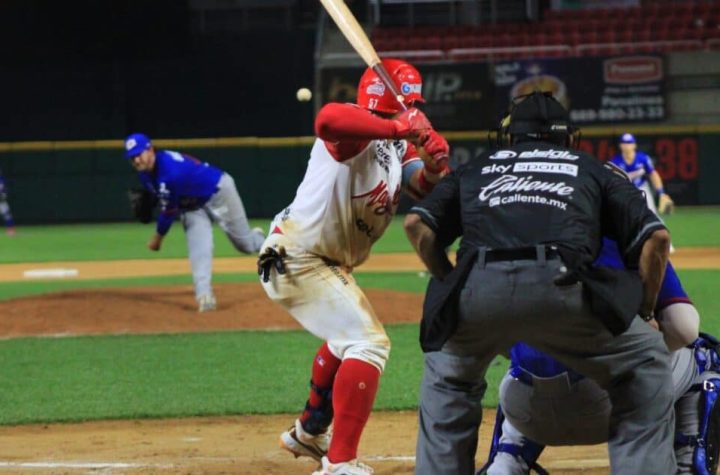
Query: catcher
(199, 194)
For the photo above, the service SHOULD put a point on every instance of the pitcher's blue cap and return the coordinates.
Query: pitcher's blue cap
(135, 144)
(627, 138)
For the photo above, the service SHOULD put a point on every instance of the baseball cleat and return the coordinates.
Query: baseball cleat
(207, 303)
(353, 467)
(10, 231)
(301, 444)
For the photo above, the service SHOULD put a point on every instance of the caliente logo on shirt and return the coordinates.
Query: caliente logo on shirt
(514, 184)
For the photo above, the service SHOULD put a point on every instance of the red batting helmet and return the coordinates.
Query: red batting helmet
(375, 96)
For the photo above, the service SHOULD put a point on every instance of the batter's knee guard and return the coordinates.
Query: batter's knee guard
(530, 451)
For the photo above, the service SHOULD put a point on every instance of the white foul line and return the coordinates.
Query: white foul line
(50, 273)
(89, 465)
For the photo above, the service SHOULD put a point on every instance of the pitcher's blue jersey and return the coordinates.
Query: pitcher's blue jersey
(638, 170)
(524, 358)
(181, 183)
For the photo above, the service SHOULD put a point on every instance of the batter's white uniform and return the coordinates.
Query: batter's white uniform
(341, 208)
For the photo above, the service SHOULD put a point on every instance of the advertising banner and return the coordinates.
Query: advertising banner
(596, 90)
(458, 96)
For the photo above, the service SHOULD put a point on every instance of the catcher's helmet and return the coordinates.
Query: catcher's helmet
(375, 96)
(537, 116)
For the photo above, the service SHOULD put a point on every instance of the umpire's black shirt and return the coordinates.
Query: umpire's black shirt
(528, 194)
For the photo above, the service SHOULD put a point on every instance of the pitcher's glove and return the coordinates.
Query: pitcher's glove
(665, 204)
(142, 204)
(269, 258)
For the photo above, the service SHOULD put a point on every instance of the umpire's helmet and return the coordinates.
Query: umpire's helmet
(537, 116)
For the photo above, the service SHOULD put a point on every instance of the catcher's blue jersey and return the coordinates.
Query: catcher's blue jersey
(638, 170)
(181, 183)
(526, 358)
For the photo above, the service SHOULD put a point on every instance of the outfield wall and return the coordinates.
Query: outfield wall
(67, 182)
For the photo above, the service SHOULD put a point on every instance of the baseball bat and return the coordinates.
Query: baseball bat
(351, 29)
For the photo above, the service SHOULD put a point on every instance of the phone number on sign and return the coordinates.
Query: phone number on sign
(617, 113)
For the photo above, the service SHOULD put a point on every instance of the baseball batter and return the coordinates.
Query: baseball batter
(5, 208)
(199, 194)
(364, 155)
(544, 401)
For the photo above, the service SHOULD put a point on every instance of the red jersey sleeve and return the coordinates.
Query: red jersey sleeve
(347, 129)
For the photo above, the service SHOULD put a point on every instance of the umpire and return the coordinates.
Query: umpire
(531, 215)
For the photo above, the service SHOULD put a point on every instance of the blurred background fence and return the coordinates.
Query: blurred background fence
(217, 79)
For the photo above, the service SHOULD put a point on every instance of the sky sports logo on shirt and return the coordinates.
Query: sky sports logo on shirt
(532, 167)
(537, 153)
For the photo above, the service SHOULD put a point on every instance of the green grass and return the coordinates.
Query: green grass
(689, 226)
(75, 379)
(695, 226)
(72, 379)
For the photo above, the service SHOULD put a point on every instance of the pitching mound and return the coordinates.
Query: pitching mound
(169, 309)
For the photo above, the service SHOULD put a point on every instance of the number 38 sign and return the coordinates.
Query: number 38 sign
(675, 158)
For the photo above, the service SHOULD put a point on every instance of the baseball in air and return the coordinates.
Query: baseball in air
(303, 94)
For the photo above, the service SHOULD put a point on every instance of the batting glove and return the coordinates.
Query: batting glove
(269, 258)
(437, 147)
(411, 124)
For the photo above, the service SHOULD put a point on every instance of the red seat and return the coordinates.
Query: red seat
(626, 36)
(712, 33)
(607, 37)
(415, 43)
(452, 42)
(503, 41)
(559, 39)
(589, 37)
(432, 42)
(573, 38)
(644, 35)
(539, 39)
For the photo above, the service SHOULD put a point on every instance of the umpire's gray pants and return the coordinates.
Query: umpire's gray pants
(505, 302)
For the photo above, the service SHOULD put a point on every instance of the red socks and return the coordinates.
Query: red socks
(318, 412)
(354, 392)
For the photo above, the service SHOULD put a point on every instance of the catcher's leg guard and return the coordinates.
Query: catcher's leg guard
(706, 443)
(529, 451)
(707, 353)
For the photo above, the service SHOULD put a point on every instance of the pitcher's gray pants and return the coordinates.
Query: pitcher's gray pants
(505, 302)
(226, 208)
